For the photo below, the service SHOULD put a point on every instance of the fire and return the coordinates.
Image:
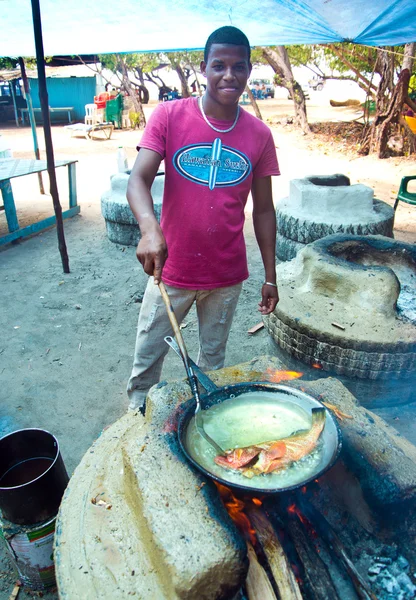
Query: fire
(279, 376)
(235, 509)
(317, 366)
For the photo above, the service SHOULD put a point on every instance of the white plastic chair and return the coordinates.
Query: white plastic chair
(91, 115)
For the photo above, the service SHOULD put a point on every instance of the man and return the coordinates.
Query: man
(215, 153)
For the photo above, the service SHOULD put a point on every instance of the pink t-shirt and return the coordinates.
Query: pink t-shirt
(208, 179)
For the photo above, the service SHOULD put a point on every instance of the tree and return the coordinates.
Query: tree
(387, 133)
(121, 65)
(278, 59)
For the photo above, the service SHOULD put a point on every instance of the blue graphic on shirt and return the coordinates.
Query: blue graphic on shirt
(213, 165)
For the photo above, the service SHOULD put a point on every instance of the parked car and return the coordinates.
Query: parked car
(265, 86)
(317, 84)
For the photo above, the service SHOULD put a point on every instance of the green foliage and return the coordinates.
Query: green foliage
(146, 62)
(134, 119)
(9, 62)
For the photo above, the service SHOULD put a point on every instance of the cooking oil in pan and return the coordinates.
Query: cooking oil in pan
(249, 419)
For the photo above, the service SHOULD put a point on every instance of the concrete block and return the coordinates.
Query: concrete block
(324, 196)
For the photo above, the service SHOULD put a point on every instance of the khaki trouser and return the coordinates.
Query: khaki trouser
(215, 309)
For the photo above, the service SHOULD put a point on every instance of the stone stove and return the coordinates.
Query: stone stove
(318, 206)
(137, 520)
(347, 306)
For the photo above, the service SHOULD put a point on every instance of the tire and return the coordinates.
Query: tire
(287, 249)
(303, 231)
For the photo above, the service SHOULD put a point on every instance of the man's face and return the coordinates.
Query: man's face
(227, 71)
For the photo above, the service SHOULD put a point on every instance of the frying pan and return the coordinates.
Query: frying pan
(230, 404)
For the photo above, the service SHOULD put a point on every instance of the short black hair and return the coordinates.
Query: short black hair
(227, 35)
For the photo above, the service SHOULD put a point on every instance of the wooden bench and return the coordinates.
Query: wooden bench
(52, 110)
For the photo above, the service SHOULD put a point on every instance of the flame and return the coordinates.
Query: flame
(317, 366)
(257, 501)
(235, 509)
(279, 376)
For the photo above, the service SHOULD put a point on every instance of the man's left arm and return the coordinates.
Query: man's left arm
(264, 221)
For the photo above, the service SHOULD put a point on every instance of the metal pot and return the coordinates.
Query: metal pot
(284, 400)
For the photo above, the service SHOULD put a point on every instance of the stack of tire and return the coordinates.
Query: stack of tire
(121, 224)
(296, 229)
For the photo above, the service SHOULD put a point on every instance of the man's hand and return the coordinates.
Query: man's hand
(269, 299)
(152, 253)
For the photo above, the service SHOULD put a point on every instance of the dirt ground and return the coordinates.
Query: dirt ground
(67, 340)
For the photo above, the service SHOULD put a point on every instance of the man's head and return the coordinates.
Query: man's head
(226, 65)
(227, 35)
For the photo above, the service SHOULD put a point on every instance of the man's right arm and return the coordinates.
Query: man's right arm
(151, 250)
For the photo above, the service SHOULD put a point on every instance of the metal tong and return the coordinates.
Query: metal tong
(180, 349)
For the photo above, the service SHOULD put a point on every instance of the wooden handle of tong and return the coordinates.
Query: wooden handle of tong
(173, 320)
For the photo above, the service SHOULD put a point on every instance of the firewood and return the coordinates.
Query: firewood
(284, 577)
(258, 585)
(255, 328)
(15, 592)
(316, 577)
(326, 532)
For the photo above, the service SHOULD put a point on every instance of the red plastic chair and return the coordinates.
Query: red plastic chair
(101, 100)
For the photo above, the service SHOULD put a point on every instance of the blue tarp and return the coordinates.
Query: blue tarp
(101, 26)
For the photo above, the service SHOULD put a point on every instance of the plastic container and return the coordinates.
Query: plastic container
(33, 477)
(122, 162)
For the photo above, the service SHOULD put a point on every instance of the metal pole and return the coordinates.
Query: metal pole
(31, 116)
(44, 103)
(16, 116)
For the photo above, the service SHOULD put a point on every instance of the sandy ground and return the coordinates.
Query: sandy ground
(67, 340)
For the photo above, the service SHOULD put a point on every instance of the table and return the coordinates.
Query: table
(89, 130)
(10, 168)
(55, 109)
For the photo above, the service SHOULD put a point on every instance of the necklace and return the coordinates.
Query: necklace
(212, 126)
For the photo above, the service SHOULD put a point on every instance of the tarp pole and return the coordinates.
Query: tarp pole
(31, 116)
(44, 104)
(16, 116)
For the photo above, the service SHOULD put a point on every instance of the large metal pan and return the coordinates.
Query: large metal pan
(246, 413)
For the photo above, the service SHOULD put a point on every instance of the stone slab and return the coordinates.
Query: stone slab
(342, 314)
(166, 535)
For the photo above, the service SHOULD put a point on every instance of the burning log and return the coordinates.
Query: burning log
(258, 585)
(326, 532)
(284, 577)
(317, 580)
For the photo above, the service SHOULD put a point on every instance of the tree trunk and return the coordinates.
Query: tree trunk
(279, 61)
(385, 123)
(254, 103)
(144, 92)
(409, 56)
(390, 100)
(197, 84)
(128, 87)
(184, 83)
